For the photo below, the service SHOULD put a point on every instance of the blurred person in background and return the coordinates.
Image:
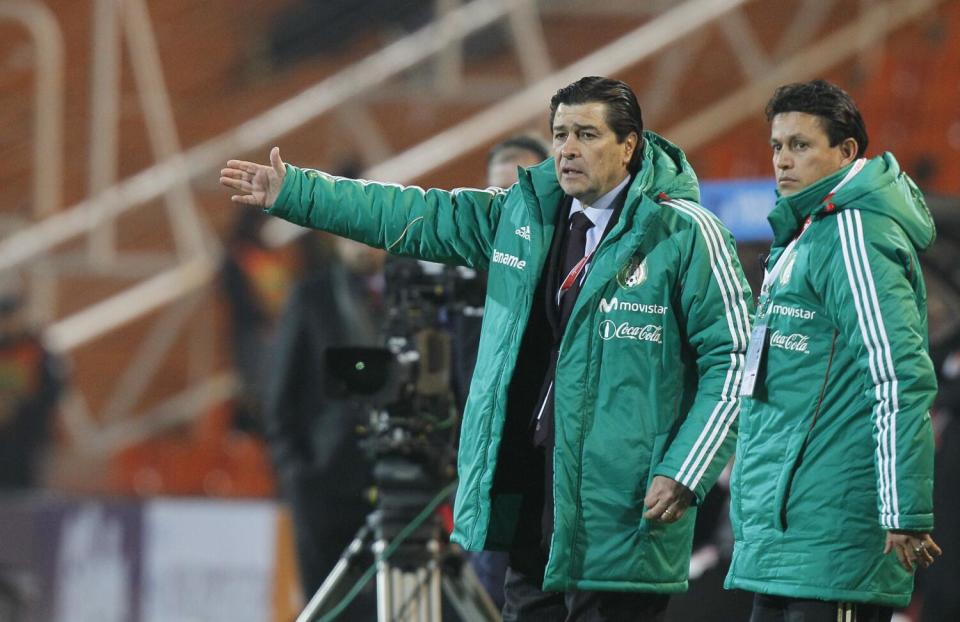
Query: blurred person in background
(582, 460)
(256, 280)
(832, 486)
(322, 473)
(503, 159)
(31, 382)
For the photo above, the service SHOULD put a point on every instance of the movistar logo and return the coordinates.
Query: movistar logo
(624, 305)
(508, 260)
(799, 312)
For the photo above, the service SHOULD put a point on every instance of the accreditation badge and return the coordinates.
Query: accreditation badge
(758, 342)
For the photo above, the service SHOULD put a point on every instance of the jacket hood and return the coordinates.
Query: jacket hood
(664, 170)
(880, 187)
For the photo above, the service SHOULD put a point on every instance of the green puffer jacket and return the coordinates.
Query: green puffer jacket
(649, 368)
(835, 446)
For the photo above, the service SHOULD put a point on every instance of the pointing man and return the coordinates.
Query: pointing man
(606, 386)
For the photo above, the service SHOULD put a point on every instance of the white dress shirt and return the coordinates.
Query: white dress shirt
(599, 214)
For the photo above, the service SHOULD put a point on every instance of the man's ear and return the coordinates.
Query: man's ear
(849, 150)
(630, 143)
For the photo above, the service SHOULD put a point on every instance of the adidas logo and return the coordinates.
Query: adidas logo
(524, 232)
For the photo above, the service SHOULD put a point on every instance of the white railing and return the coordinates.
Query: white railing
(196, 261)
(40, 21)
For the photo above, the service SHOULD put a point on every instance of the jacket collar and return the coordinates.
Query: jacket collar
(664, 169)
(789, 213)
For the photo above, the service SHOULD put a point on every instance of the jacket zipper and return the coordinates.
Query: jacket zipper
(499, 383)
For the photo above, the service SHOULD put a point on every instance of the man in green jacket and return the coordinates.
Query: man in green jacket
(831, 490)
(606, 386)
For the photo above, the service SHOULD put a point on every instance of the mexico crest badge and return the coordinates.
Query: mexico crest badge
(633, 273)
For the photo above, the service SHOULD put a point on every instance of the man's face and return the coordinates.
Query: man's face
(502, 172)
(802, 153)
(590, 162)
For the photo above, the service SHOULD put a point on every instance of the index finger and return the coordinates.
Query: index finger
(243, 165)
(657, 509)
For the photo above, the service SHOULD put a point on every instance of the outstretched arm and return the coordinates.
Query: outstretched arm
(257, 184)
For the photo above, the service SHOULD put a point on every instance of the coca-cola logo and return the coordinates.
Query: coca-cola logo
(794, 342)
(625, 330)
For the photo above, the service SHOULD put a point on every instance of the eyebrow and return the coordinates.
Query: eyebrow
(800, 135)
(576, 126)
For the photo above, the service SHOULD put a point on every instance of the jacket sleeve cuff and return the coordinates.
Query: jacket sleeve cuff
(908, 522)
(699, 492)
(280, 207)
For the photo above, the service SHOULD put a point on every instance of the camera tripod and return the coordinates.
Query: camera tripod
(409, 571)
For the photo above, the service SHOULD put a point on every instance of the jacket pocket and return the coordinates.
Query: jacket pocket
(656, 455)
(788, 471)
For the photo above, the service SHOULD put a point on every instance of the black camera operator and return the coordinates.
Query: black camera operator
(320, 470)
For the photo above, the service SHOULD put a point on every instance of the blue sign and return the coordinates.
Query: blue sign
(742, 205)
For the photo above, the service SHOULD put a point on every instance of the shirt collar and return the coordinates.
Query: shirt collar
(604, 202)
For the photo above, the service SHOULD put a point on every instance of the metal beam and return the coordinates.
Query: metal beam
(130, 304)
(255, 133)
(812, 61)
(178, 410)
(628, 50)
(42, 25)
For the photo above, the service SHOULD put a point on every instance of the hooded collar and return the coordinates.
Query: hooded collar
(789, 213)
(664, 170)
(881, 187)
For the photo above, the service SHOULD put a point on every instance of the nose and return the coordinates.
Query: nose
(782, 160)
(569, 149)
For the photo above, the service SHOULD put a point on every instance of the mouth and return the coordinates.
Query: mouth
(567, 171)
(786, 180)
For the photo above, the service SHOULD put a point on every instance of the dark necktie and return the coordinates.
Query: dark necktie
(574, 252)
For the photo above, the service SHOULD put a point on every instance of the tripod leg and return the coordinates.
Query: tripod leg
(323, 600)
(385, 587)
(468, 596)
(434, 596)
(409, 596)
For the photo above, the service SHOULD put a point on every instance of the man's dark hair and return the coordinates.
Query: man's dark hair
(838, 114)
(522, 142)
(623, 110)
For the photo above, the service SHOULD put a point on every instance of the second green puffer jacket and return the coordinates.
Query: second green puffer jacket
(836, 446)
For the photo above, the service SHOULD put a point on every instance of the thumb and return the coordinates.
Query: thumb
(276, 162)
